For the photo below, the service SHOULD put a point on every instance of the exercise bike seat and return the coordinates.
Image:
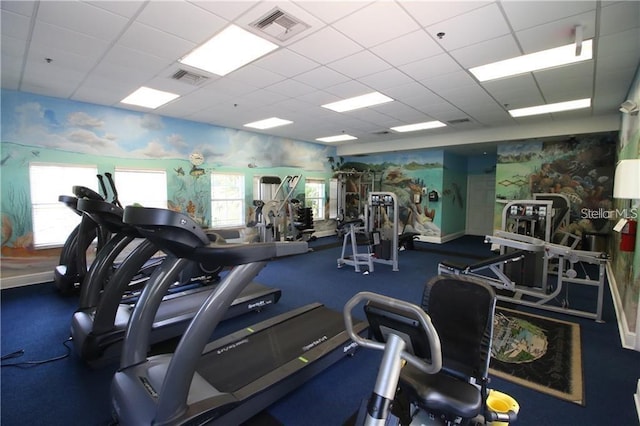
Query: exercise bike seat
(441, 393)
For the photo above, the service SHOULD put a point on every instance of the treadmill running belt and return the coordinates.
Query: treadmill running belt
(234, 367)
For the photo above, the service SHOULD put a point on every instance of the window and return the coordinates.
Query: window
(314, 197)
(52, 220)
(145, 187)
(227, 200)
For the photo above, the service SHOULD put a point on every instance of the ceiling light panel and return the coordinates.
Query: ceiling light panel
(268, 123)
(149, 98)
(418, 126)
(337, 138)
(228, 50)
(357, 102)
(544, 59)
(549, 108)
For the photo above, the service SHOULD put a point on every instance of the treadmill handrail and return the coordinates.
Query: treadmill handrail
(106, 310)
(172, 399)
(177, 233)
(399, 305)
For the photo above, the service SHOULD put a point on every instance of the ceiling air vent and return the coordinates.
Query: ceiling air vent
(381, 132)
(459, 121)
(279, 24)
(189, 77)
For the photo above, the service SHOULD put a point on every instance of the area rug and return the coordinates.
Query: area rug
(540, 353)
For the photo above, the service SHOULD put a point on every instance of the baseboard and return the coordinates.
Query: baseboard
(439, 240)
(451, 237)
(636, 398)
(325, 233)
(23, 280)
(627, 338)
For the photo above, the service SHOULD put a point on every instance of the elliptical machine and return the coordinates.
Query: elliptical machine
(434, 370)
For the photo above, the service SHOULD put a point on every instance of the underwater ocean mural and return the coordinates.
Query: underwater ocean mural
(579, 167)
(409, 176)
(51, 130)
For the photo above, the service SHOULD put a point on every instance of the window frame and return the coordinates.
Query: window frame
(62, 220)
(239, 221)
(151, 202)
(319, 213)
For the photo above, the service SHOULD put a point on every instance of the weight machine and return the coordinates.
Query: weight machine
(380, 230)
(282, 217)
(540, 295)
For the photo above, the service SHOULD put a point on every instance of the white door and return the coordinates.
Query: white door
(481, 201)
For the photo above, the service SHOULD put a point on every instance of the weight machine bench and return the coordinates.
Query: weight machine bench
(494, 264)
(538, 297)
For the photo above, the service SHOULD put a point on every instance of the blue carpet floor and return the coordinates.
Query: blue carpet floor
(65, 392)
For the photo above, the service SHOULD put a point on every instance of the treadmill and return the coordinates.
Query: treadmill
(231, 379)
(98, 326)
(72, 266)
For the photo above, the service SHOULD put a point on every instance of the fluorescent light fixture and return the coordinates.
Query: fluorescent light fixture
(268, 123)
(228, 50)
(419, 126)
(337, 138)
(550, 58)
(557, 107)
(149, 98)
(362, 101)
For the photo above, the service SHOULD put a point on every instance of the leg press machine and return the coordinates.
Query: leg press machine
(558, 259)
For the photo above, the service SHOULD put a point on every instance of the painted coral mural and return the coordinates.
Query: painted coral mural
(579, 167)
(409, 177)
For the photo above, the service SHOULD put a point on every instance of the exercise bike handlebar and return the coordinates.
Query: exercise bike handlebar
(415, 311)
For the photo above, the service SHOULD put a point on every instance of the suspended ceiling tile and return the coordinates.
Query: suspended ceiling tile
(527, 14)
(47, 35)
(321, 77)
(401, 113)
(127, 9)
(255, 76)
(556, 33)
(376, 23)
(98, 92)
(431, 12)
(13, 51)
(325, 46)
(407, 48)
(359, 65)
(385, 79)
(181, 19)
(566, 83)
(14, 25)
(453, 80)
(338, 9)
(486, 52)
(465, 30)
(95, 22)
(228, 10)
(290, 88)
(230, 87)
(348, 89)
(517, 92)
(431, 67)
(130, 58)
(25, 8)
(411, 91)
(286, 62)
(615, 47)
(155, 42)
(618, 17)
